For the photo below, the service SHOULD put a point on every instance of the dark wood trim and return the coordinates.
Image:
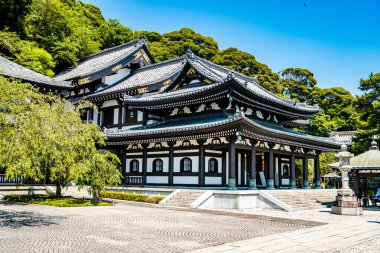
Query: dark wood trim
(144, 163)
(151, 174)
(201, 164)
(208, 174)
(231, 161)
(133, 174)
(185, 174)
(224, 167)
(171, 162)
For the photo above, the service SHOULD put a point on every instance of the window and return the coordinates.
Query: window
(130, 115)
(134, 166)
(83, 114)
(186, 164)
(212, 165)
(158, 165)
(108, 117)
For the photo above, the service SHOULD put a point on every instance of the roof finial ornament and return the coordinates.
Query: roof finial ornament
(230, 76)
(142, 37)
(189, 53)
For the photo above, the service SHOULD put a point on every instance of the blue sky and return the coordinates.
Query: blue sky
(338, 40)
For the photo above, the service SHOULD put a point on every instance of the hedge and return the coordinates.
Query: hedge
(131, 197)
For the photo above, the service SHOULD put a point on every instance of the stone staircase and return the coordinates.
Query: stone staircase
(305, 199)
(183, 198)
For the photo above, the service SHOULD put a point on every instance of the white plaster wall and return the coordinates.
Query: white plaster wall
(128, 161)
(194, 163)
(201, 108)
(116, 116)
(109, 103)
(259, 114)
(157, 180)
(185, 151)
(214, 151)
(139, 116)
(219, 159)
(165, 161)
(249, 111)
(213, 180)
(121, 73)
(185, 180)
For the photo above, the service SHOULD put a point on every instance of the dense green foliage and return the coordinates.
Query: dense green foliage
(51, 35)
(53, 201)
(43, 138)
(131, 197)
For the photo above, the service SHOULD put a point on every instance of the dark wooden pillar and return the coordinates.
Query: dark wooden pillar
(201, 167)
(171, 161)
(144, 162)
(145, 118)
(224, 167)
(270, 185)
(253, 172)
(91, 114)
(305, 169)
(231, 165)
(120, 116)
(293, 168)
(317, 171)
(123, 162)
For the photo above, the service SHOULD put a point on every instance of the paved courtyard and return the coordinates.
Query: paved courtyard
(127, 228)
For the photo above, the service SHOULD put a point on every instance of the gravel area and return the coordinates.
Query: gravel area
(126, 228)
(372, 246)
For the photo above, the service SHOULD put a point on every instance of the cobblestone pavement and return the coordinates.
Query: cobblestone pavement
(126, 228)
(343, 234)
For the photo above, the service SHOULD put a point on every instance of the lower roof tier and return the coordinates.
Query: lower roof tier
(219, 125)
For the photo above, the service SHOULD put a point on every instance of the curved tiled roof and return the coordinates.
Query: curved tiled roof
(218, 73)
(145, 76)
(97, 62)
(195, 124)
(11, 69)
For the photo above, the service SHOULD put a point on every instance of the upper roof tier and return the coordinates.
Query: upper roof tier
(11, 69)
(157, 80)
(105, 59)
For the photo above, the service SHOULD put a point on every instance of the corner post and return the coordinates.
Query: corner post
(201, 165)
(253, 172)
(231, 165)
(144, 162)
(292, 168)
(305, 169)
(317, 170)
(270, 185)
(171, 162)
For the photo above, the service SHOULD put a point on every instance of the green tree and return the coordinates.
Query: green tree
(114, 33)
(247, 64)
(297, 83)
(43, 137)
(26, 53)
(368, 105)
(61, 28)
(174, 44)
(12, 13)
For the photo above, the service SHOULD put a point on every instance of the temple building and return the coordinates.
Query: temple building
(190, 122)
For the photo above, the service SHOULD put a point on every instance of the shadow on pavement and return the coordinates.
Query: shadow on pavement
(15, 219)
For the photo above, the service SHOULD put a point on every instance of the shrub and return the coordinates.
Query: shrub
(131, 197)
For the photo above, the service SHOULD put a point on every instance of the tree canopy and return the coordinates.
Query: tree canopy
(43, 138)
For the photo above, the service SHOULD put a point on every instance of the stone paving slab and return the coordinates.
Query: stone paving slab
(331, 237)
(128, 228)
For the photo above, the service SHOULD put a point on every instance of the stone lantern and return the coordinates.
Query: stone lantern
(346, 202)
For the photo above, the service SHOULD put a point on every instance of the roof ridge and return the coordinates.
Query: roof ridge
(107, 50)
(161, 63)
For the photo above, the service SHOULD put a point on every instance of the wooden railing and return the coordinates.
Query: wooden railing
(18, 181)
(133, 180)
